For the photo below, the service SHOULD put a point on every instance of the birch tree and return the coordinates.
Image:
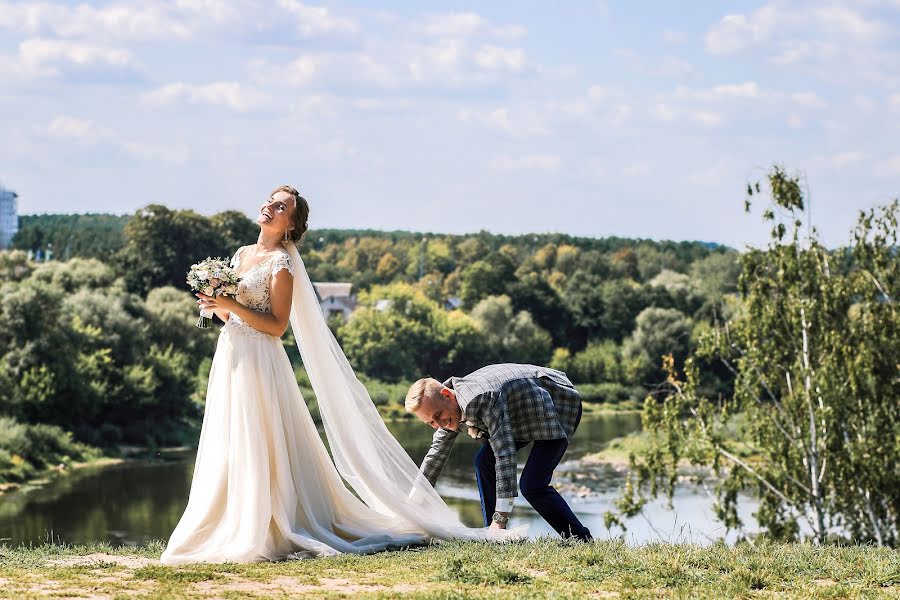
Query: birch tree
(813, 427)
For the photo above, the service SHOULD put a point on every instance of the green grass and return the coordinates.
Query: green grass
(538, 569)
(619, 449)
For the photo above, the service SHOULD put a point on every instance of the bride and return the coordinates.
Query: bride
(264, 487)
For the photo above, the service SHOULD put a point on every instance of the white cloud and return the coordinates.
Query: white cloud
(72, 129)
(338, 149)
(863, 103)
(666, 66)
(808, 100)
(317, 20)
(735, 33)
(496, 58)
(889, 167)
(161, 20)
(42, 52)
(232, 95)
(528, 162)
(520, 123)
(705, 105)
(671, 36)
(441, 63)
(297, 73)
(843, 21)
(706, 117)
(174, 154)
(117, 21)
(715, 105)
(665, 112)
(637, 170)
(453, 24)
(831, 40)
(85, 132)
(40, 58)
(466, 24)
(894, 102)
(777, 21)
(847, 159)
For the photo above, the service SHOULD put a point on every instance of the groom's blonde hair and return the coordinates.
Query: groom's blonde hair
(421, 388)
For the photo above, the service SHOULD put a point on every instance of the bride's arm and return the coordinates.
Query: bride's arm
(274, 323)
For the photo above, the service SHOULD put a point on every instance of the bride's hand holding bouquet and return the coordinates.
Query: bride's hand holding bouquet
(215, 282)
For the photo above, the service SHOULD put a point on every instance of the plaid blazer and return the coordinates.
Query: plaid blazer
(510, 403)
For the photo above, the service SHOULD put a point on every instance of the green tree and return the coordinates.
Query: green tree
(388, 266)
(401, 334)
(234, 229)
(163, 244)
(14, 265)
(717, 274)
(511, 336)
(814, 353)
(78, 351)
(87, 236)
(598, 362)
(658, 332)
(477, 281)
(533, 294)
(604, 308)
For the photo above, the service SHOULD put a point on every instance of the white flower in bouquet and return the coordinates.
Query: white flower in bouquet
(213, 277)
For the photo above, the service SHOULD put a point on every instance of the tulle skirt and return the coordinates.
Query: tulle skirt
(264, 487)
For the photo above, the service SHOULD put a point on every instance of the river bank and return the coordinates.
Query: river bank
(98, 457)
(126, 454)
(535, 569)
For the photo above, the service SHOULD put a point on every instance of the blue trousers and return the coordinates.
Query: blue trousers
(534, 485)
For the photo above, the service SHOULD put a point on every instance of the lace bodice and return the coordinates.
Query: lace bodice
(254, 288)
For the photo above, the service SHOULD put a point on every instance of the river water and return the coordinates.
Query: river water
(138, 501)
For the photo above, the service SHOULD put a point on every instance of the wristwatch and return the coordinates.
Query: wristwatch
(500, 518)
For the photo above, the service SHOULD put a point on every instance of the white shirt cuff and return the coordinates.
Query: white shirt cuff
(504, 505)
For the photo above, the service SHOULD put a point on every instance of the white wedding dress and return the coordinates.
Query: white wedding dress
(264, 487)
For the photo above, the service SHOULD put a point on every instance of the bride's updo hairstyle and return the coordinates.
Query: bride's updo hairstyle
(300, 218)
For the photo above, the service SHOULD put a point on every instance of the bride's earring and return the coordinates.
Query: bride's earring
(285, 235)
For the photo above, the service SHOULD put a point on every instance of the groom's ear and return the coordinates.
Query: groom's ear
(448, 393)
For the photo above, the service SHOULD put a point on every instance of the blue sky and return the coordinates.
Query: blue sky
(636, 119)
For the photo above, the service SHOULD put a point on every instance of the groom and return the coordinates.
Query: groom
(506, 407)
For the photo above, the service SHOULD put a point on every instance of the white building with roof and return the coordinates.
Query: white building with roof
(9, 217)
(335, 299)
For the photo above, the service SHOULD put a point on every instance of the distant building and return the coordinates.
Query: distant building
(452, 303)
(9, 217)
(335, 299)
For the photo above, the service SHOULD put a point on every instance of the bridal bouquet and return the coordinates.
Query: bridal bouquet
(212, 277)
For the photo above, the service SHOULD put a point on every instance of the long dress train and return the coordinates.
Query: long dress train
(264, 486)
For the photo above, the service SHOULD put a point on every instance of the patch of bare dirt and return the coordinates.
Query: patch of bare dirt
(535, 573)
(130, 562)
(290, 586)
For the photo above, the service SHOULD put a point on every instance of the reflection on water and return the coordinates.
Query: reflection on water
(135, 502)
(130, 504)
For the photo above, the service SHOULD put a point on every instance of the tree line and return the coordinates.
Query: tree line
(603, 310)
(101, 345)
